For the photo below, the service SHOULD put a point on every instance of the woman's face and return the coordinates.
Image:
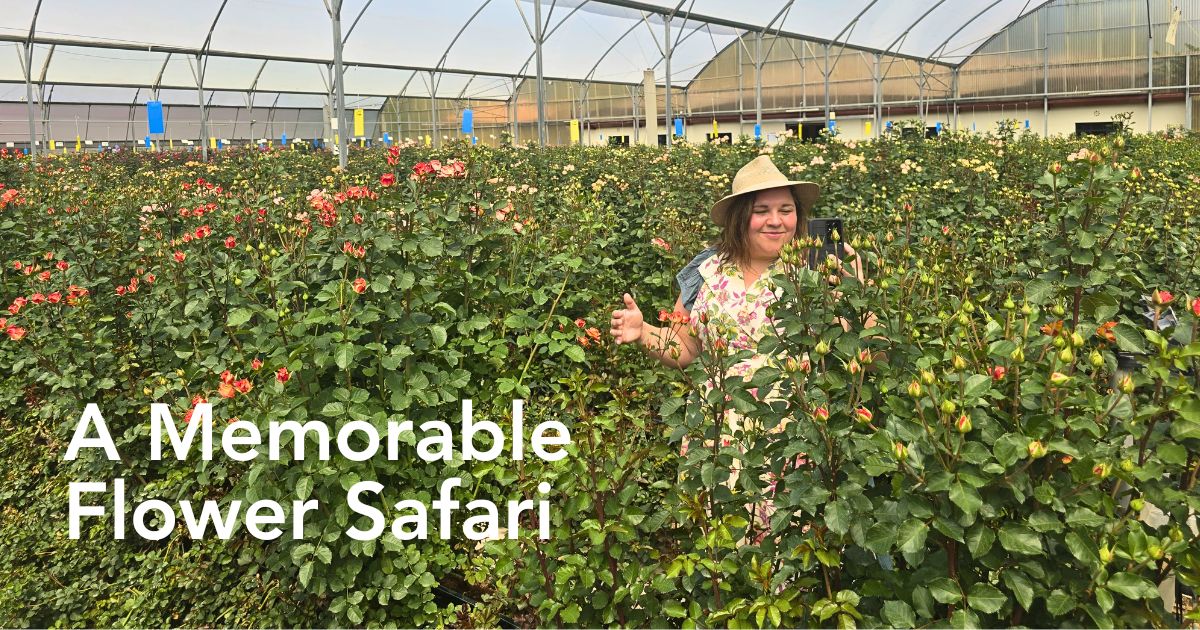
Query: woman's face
(772, 223)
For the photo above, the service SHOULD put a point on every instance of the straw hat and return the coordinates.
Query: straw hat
(761, 174)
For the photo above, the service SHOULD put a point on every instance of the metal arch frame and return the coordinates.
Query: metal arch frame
(1026, 13)
(27, 63)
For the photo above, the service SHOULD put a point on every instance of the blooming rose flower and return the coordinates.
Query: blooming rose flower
(998, 372)
(243, 385)
(256, 363)
(282, 375)
(179, 256)
(359, 285)
(16, 333)
(1163, 298)
(387, 179)
(62, 265)
(230, 242)
(54, 298)
(226, 390)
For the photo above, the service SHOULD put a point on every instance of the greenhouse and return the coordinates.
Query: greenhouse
(599, 313)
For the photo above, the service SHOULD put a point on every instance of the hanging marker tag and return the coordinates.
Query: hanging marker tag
(154, 116)
(387, 140)
(283, 140)
(468, 121)
(679, 127)
(757, 132)
(359, 126)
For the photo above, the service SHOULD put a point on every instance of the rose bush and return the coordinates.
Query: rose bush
(974, 458)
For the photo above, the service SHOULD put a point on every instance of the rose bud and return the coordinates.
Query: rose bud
(853, 367)
(1135, 174)
(1101, 470)
(1056, 168)
(1009, 304)
(1096, 359)
(914, 389)
(1017, 355)
(1037, 449)
(959, 363)
(1106, 554)
(821, 348)
(282, 375)
(1058, 378)
(1127, 465)
(998, 372)
(900, 451)
(1137, 504)
(948, 406)
(820, 414)
(1196, 307)
(1126, 384)
(863, 415)
(1076, 339)
(1163, 298)
(1155, 551)
(1066, 356)
(927, 377)
(963, 424)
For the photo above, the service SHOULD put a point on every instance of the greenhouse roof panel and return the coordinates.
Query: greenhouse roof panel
(474, 45)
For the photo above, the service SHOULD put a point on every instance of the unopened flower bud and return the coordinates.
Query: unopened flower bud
(997, 372)
(900, 451)
(1155, 551)
(959, 362)
(1026, 309)
(1076, 340)
(1106, 554)
(1056, 168)
(1058, 379)
(927, 377)
(948, 406)
(1135, 174)
(1036, 449)
(1017, 355)
(1009, 304)
(1096, 359)
(821, 348)
(1102, 470)
(963, 424)
(1127, 465)
(1059, 342)
(1059, 310)
(853, 366)
(1066, 356)
(821, 414)
(863, 415)
(1137, 504)
(914, 389)
(1126, 384)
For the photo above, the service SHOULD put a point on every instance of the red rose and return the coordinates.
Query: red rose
(230, 242)
(179, 256)
(243, 385)
(1163, 298)
(225, 390)
(282, 375)
(387, 179)
(1196, 307)
(16, 333)
(359, 285)
(54, 298)
(62, 265)
(862, 414)
(37, 298)
(998, 372)
(255, 364)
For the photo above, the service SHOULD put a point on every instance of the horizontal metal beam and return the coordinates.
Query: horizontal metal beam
(183, 50)
(240, 91)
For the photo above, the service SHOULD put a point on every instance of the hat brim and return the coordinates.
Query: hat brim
(806, 192)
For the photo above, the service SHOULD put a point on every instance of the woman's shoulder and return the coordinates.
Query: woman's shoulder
(692, 276)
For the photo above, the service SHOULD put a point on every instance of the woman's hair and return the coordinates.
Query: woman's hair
(734, 241)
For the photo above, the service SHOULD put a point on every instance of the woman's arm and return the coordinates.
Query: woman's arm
(672, 345)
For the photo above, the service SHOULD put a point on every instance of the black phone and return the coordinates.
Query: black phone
(831, 233)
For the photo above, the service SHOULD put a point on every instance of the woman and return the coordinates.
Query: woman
(729, 284)
(726, 290)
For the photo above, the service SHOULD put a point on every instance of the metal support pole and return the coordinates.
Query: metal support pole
(1045, 83)
(28, 50)
(1149, 71)
(826, 73)
(758, 67)
(541, 84)
(338, 84)
(515, 125)
(954, 96)
(921, 93)
(667, 63)
(741, 101)
(203, 110)
(1187, 91)
(878, 97)
(433, 113)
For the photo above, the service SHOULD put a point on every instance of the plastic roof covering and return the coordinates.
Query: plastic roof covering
(476, 46)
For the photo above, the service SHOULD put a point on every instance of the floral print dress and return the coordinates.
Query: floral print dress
(729, 314)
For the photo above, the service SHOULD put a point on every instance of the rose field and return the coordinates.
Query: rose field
(1015, 442)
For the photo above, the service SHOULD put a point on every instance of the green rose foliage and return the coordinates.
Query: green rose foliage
(498, 284)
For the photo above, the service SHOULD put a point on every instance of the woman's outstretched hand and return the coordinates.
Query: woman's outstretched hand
(627, 323)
